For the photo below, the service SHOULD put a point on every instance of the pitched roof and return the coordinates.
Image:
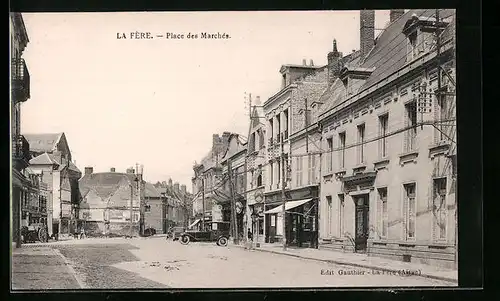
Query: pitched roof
(45, 142)
(151, 191)
(43, 159)
(105, 183)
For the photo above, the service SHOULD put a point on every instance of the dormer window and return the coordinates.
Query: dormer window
(420, 33)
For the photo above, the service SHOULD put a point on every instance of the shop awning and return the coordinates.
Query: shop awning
(288, 205)
(194, 223)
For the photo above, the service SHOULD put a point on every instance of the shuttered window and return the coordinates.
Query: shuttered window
(382, 215)
(439, 210)
(409, 211)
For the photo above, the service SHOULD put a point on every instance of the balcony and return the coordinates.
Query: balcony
(20, 81)
(20, 152)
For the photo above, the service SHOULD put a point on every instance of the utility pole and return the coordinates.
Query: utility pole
(131, 208)
(245, 229)
(233, 205)
(283, 196)
(203, 203)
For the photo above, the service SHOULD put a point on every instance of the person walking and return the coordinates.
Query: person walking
(250, 238)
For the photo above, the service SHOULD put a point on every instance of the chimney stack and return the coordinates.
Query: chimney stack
(257, 101)
(334, 63)
(184, 189)
(367, 32)
(395, 14)
(89, 170)
(131, 170)
(176, 187)
(112, 169)
(311, 63)
(304, 62)
(170, 182)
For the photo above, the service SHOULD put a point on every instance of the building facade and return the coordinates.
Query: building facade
(255, 176)
(111, 202)
(284, 116)
(20, 92)
(388, 143)
(51, 159)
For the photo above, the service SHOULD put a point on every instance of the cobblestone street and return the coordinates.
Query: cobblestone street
(158, 263)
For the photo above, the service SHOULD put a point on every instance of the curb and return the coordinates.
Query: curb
(72, 271)
(425, 275)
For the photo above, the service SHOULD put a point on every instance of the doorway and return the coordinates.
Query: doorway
(362, 230)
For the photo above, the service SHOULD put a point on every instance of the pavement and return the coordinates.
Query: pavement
(155, 262)
(357, 260)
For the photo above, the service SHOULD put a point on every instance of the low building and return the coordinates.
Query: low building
(110, 202)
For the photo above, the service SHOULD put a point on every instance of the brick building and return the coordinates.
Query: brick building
(20, 92)
(51, 159)
(388, 175)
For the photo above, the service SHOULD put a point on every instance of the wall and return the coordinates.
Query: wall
(153, 218)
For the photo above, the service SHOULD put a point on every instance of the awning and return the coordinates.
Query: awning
(288, 205)
(194, 223)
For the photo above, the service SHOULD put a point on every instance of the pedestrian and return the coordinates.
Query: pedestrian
(82, 233)
(250, 238)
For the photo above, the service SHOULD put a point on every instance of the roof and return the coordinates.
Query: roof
(43, 159)
(43, 142)
(105, 184)
(151, 191)
(386, 57)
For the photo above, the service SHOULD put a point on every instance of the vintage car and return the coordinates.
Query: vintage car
(220, 235)
(175, 232)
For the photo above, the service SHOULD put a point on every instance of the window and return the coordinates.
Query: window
(342, 150)
(409, 208)
(412, 40)
(382, 212)
(361, 145)
(341, 215)
(260, 135)
(285, 125)
(259, 176)
(329, 215)
(329, 164)
(283, 81)
(242, 183)
(444, 114)
(147, 208)
(311, 176)
(299, 171)
(271, 173)
(383, 124)
(411, 123)
(278, 172)
(271, 131)
(439, 210)
(251, 145)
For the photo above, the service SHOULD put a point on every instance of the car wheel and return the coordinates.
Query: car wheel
(222, 241)
(184, 239)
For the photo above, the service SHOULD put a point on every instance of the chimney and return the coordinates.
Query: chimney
(216, 141)
(225, 138)
(184, 189)
(304, 62)
(311, 63)
(334, 63)
(367, 32)
(170, 182)
(89, 170)
(131, 170)
(112, 169)
(395, 14)
(176, 187)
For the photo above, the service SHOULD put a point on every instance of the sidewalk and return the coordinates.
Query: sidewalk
(41, 268)
(359, 260)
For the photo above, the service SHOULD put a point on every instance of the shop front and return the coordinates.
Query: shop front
(301, 219)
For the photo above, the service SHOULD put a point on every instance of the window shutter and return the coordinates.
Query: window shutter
(380, 215)
(407, 132)
(405, 216)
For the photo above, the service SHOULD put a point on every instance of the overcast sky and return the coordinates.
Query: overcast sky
(157, 102)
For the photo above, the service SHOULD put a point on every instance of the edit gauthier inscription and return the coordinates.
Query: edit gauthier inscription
(139, 35)
(361, 272)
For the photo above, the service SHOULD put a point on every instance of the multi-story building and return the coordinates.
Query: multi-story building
(256, 161)
(284, 117)
(177, 207)
(34, 207)
(111, 202)
(388, 140)
(233, 173)
(20, 92)
(51, 159)
(208, 179)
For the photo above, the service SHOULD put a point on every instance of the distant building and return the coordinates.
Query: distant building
(52, 161)
(177, 205)
(110, 202)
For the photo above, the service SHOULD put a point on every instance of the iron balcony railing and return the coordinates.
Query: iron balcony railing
(20, 80)
(21, 150)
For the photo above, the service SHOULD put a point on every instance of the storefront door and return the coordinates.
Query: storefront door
(361, 222)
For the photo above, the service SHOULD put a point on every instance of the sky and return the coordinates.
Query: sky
(157, 102)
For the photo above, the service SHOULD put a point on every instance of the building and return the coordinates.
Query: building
(388, 179)
(284, 114)
(207, 179)
(231, 197)
(34, 206)
(176, 202)
(153, 208)
(52, 160)
(256, 162)
(20, 92)
(109, 200)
